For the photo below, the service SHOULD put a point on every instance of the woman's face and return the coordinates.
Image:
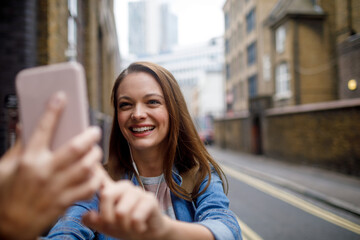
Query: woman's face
(142, 114)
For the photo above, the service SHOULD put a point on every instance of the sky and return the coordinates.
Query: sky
(198, 21)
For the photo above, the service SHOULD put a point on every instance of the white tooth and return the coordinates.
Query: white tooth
(142, 129)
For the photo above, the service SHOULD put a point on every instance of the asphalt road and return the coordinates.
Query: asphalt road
(268, 211)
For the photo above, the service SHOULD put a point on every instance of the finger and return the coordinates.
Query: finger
(144, 209)
(79, 172)
(126, 205)
(76, 148)
(42, 135)
(108, 198)
(129, 201)
(84, 191)
(110, 195)
(103, 173)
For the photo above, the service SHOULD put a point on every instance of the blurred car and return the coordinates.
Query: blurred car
(207, 136)
(204, 126)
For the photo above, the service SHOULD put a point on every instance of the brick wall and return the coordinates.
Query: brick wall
(52, 31)
(17, 51)
(233, 133)
(57, 29)
(316, 67)
(91, 62)
(325, 135)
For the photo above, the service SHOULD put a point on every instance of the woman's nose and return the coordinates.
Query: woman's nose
(138, 113)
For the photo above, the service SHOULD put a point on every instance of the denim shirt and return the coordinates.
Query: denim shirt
(211, 209)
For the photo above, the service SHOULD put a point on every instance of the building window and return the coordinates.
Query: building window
(227, 20)
(227, 48)
(266, 67)
(231, 43)
(227, 71)
(250, 20)
(252, 84)
(236, 92)
(282, 81)
(251, 54)
(229, 100)
(280, 39)
(71, 51)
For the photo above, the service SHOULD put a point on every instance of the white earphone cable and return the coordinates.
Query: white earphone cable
(138, 174)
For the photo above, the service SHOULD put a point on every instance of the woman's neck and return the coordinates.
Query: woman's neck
(149, 163)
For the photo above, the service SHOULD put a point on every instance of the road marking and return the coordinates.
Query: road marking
(293, 200)
(247, 232)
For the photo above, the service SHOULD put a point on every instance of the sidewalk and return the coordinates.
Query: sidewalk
(335, 189)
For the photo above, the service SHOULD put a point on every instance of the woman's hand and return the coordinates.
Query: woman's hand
(128, 212)
(37, 184)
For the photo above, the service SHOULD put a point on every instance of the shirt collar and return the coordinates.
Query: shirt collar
(175, 174)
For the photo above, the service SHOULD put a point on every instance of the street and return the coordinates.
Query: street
(267, 210)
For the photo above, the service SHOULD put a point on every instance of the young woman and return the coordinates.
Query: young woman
(155, 146)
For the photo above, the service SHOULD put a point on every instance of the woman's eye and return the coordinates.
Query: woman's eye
(154, 102)
(123, 105)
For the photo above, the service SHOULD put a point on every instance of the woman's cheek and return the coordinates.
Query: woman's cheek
(121, 123)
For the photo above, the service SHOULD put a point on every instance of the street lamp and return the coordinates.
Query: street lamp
(352, 84)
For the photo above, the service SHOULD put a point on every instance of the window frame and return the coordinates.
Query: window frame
(282, 81)
(252, 86)
(250, 20)
(280, 39)
(251, 52)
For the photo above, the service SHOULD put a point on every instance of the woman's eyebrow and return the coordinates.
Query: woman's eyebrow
(153, 94)
(124, 97)
(146, 96)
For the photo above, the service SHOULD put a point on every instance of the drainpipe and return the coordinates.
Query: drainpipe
(297, 84)
(349, 15)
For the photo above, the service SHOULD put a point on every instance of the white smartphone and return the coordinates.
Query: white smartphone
(34, 88)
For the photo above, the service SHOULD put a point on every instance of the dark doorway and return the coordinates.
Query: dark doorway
(256, 146)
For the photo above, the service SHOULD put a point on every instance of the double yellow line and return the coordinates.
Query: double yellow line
(247, 232)
(293, 200)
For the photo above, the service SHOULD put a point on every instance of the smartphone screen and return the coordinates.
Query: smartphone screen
(34, 88)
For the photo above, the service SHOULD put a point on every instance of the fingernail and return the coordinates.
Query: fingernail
(58, 99)
(96, 130)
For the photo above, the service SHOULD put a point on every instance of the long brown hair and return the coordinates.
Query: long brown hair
(184, 147)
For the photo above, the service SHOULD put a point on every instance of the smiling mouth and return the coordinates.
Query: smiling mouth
(141, 129)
